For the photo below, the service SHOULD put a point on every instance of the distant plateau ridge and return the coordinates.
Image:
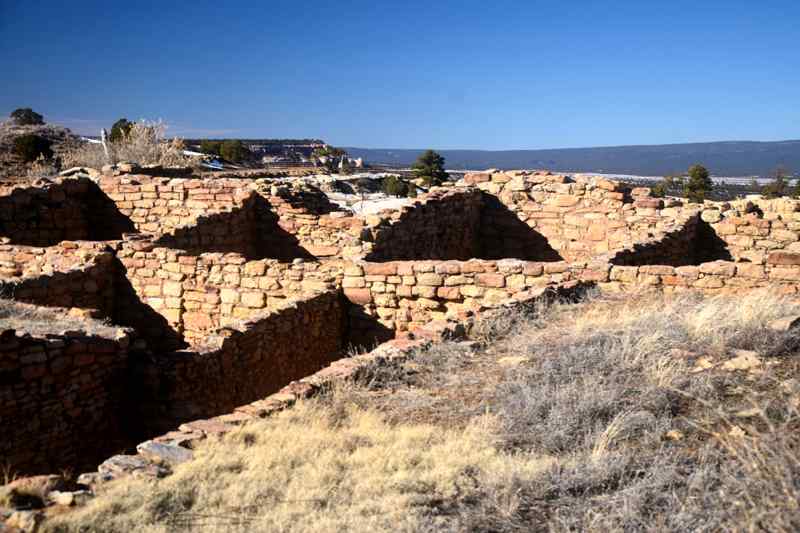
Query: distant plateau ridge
(728, 158)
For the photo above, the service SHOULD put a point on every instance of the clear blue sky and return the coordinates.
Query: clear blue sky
(407, 74)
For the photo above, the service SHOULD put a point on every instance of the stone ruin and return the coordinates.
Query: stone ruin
(229, 298)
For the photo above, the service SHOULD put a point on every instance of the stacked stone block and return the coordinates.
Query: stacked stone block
(248, 360)
(442, 225)
(72, 274)
(60, 399)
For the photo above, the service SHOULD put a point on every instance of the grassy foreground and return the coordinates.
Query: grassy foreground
(614, 415)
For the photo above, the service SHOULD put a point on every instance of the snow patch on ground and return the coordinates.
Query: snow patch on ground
(369, 203)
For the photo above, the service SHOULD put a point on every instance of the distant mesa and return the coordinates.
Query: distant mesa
(728, 158)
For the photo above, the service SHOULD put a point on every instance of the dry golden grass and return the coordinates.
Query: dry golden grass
(38, 320)
(575, 439)
(312, 469)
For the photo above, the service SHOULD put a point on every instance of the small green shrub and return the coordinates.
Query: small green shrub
(779, 186)
(30, 147)
(394, 186)
(699, 184)
(659, 190)
(120, 130)
(25, 116)
(210, 147)
(430, 167)
(233, 150)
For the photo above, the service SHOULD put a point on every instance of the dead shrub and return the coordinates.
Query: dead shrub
(145, 143)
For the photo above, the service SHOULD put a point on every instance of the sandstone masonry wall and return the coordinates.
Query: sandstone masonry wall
(752, 229)
(405, 295)
(687, 245)
(160, 205)
(60, 400)
(442, 225)
(247, 361)
(69, 275)
(197, 294)
(255, 217)
(580, 218)
(781, 271)
(67, 209)
(320, 228)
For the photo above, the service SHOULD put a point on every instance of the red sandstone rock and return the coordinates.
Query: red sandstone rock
(322, 251)
(651, 203)
(783, 258)
(358, 296)
(476, 177)
(381, 269)
(490, 280)
(208, 427)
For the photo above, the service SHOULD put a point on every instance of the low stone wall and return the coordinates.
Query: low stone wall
(160, 205)
(255, 217)
(234, 230)
(752, 229)
(197, 294)
(444, 224)
(69, 275)
(687, 245)
(244, 362)
(321, 229)
(65, 209)
(60, 400)
(579, 218)
(405, 295)
(156, 457)
(781, 271)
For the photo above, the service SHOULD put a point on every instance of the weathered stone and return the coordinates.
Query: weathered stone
(749, 270)
(253, 299)
(785, 324)
(123, 465)
(711, 216)
(742, 360)
(164, 453)
(68, 499)
(490, 280)
(429, 279)
(783, 258)
(358, 296)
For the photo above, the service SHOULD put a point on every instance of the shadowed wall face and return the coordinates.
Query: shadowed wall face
(459, 225)
(251, 229)
(73, 210)
(60, 400)
(502, 235)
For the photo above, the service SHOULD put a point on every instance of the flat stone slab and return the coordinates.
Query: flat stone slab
(124, 465)
(184, 439)
(207, 427)
(164, 453)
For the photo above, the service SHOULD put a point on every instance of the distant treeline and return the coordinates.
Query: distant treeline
(267, 142)
(734, 158)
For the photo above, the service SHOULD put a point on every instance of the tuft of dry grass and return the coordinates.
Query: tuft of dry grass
(606, 380)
